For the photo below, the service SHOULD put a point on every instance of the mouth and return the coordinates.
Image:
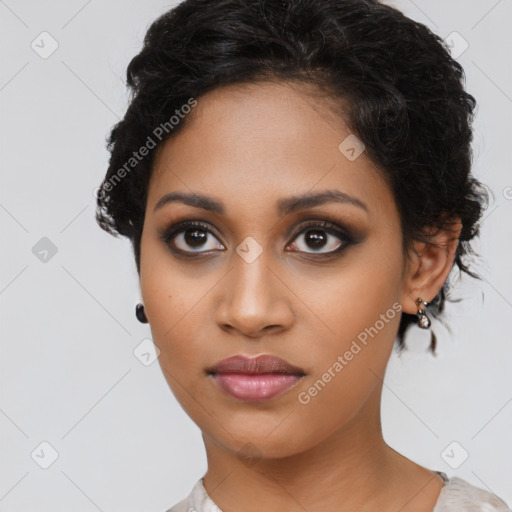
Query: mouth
(254, 379)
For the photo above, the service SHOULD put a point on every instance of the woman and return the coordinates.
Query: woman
(294, 177)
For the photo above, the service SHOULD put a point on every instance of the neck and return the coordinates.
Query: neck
(351, 469)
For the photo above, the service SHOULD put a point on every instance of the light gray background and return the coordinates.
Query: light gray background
(68, 373)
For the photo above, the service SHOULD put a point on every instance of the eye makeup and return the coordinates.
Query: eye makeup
(320, 229)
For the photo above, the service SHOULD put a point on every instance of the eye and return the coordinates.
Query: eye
(322, 237)
(318, 237)
(190, 237)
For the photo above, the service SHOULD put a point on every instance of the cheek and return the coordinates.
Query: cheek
(178, 326)
(171, 299)
(349, 350)
(356, 293)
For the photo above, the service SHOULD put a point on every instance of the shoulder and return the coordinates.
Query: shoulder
(459, 495)
(456, 496)
(186, 504)
(197, 501)
(182, 506)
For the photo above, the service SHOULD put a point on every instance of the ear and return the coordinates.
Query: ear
(429, 264)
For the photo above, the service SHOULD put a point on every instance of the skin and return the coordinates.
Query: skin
(249, 146)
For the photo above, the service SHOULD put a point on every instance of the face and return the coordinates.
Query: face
(261, 269)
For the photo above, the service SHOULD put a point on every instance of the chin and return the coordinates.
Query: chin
(254, 440)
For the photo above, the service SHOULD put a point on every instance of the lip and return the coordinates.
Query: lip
(263, 363)
(255, 378)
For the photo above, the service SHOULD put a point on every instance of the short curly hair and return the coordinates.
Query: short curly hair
(405, 93)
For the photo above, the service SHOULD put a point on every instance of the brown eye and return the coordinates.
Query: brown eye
(322, 238)
(191, 237)
(316, 238)
(195, 237)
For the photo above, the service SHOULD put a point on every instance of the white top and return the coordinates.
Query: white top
(457, 495)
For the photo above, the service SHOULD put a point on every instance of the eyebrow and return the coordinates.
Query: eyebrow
(285, 206)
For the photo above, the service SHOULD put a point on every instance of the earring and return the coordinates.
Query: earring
(423, 319)
(140, 314)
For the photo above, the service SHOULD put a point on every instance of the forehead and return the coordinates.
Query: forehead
(253, 143)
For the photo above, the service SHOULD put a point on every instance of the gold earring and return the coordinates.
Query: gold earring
(423, 319)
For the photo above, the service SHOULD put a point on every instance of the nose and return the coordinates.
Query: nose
(255, 301)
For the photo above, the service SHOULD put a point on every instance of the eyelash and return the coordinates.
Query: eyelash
(329, 227)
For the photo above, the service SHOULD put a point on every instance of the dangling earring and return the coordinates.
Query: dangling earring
(140, 314)
(423, 319)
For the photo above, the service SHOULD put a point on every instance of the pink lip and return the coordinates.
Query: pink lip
(255, 378)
